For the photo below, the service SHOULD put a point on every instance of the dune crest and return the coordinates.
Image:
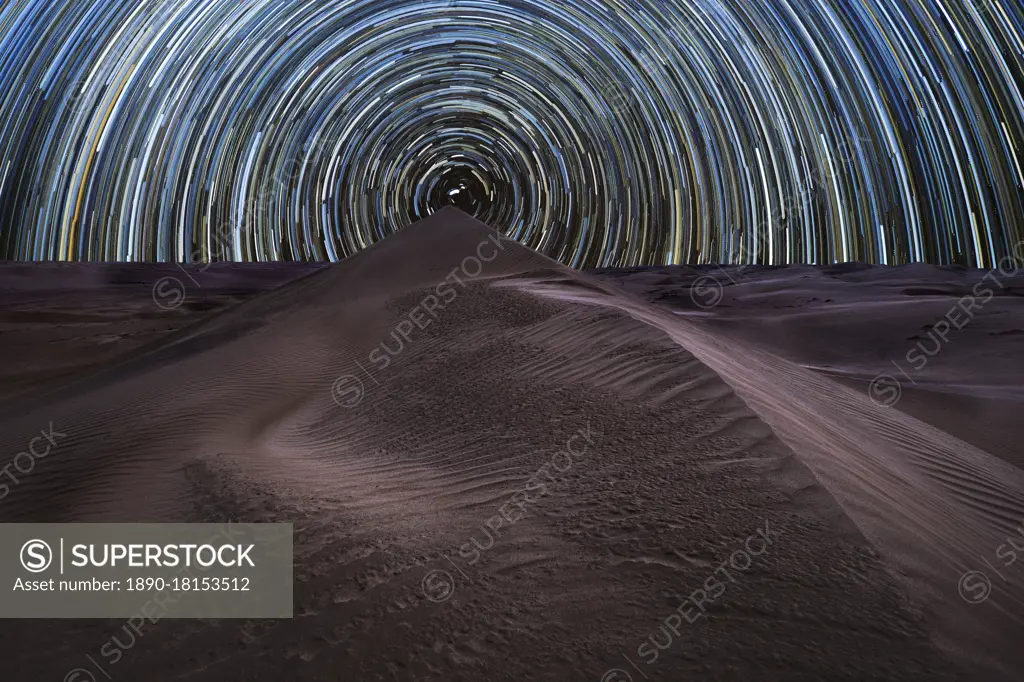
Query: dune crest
(936, 507)
(643, 454)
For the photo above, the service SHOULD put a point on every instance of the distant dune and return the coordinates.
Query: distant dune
(502, 469)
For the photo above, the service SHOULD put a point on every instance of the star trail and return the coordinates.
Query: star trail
(601, 133)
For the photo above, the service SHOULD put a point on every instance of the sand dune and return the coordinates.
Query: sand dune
(502, 469)
(950, 339)
(61, 320)
(936, 507)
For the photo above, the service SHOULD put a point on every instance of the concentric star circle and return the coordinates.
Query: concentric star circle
(599, 132)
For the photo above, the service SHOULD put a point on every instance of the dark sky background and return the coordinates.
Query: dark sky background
(599, 132)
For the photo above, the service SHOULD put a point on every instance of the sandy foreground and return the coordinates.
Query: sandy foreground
(502, 469)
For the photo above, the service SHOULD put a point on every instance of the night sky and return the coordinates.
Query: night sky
(599, 132)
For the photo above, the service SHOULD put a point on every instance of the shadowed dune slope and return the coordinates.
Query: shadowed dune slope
(648, 463)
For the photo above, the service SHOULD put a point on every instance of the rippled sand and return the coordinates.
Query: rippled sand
(498, 469)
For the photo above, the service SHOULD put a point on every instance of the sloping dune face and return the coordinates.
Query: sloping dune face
(947, 517)
(498, 469)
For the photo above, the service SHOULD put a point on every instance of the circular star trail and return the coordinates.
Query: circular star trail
(601, 133)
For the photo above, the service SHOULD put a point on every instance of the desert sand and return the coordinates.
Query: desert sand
(499, 468)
